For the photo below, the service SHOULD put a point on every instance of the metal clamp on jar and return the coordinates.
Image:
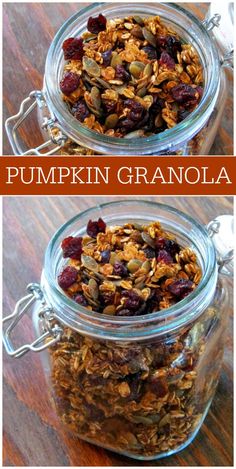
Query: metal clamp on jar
(194, 135)
(115, 359)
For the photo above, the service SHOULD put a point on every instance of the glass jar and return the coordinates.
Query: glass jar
(140, 386)
(194, 135)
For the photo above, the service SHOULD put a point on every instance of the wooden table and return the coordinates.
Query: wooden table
(33, 435)
(28, 29)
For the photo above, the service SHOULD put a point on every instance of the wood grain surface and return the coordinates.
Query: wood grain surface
(33, 435)
(28, 29)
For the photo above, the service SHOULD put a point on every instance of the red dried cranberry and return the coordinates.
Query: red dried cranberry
(97, 24)
(107, 298)
(172, 247)
(136, 109)
(132, 300)
(80, 110)
(120, 269)
(105, 256)
(149, 252)
(181, 288)
(185, 94)
(73, 48)
(151, 52)
(69, 83)
(110, 106)
(106, 57)
(167, 61)
(67, 277)
(160, 243)
(173, 46)
(121, 73)
(81, 300)
(163, 256)
(95, 227)
(72, 247)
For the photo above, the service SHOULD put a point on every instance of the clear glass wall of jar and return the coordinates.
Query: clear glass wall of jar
(140, 386)
(194, 135)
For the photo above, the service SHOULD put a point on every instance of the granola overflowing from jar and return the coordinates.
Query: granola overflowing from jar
(127, 270)
(130, 77)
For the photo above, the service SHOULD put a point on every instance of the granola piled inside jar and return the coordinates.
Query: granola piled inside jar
(130, 77)
(143, 398)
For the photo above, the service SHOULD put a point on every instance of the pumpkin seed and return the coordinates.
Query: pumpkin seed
(95, 97)
(146, 266)
(93, 288)
(89, 263)
(158, 120)
(110, 309)
(115, 60)
(138, 19)
(142, 92)
(149, 37)
(103, 83)
(113, 258)
(133, 265)
(91, 67)
(142, 419)
(147, 239)
(111, 121)
(146, 292)
(148, 100)
(136, 68)
(135, 134)
(147, 70)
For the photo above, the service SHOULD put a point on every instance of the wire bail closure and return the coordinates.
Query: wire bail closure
(51, 330)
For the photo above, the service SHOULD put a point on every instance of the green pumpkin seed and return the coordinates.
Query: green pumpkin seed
(135, 134)
(148, 70)
(93, 288)
(95, 97)
(146, 266)
(142, 92)
(89, 263)
(133, 265)
(136, 68)
(148, 240)
(138, 19)
(103, 83)
(91, 67)
(149, 37)
(111, 121)
(115, 60)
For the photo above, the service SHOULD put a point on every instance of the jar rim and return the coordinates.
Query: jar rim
(177, 315)
(155, 143)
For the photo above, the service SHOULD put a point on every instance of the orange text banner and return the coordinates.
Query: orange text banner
(113, 175)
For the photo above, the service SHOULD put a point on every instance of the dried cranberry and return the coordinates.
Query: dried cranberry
(157, 105)
(136, 109)
(69, 83)
(164, 256)
(81, 300)
(160, 243)
(151, 52)
(107, 57)
(172, 247)
(121, 73)
(73, 48)
(149, 252)
(72, 247)
(67, 277)
(185, 94)
(199, 90)
(120, 269)
(105, 256)
(107, 298)
(167, 61)
(80, 110)
(173, 46)
(110, 106)
(132, 300)
(181, 287)
(95, 227)
(97, 24)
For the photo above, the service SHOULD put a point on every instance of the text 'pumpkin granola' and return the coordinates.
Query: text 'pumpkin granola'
(130, 77)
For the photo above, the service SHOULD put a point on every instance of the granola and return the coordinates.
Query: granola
(142, 398)
(130, 77)
(127, 270)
